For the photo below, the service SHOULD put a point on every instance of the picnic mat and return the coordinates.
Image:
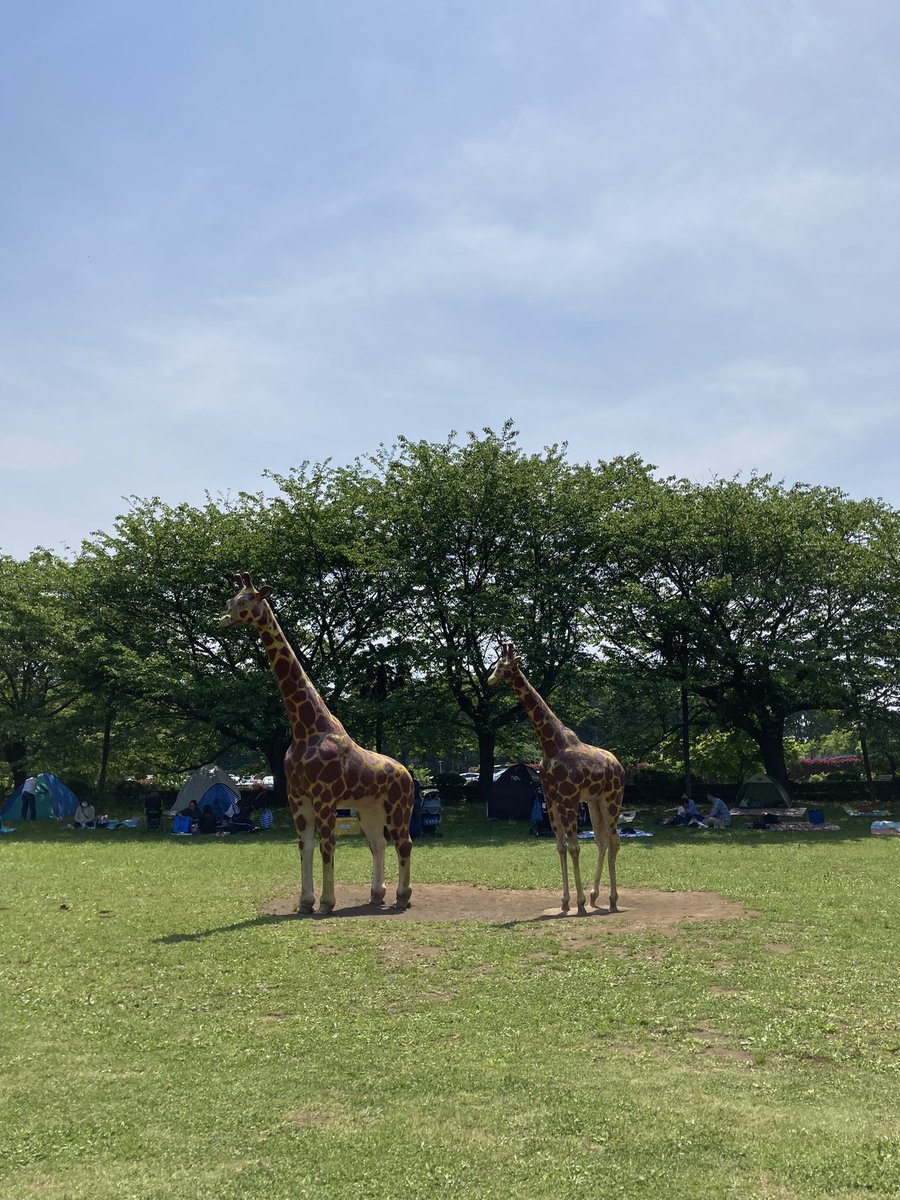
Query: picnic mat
(865, 812)
(759, 812)
(802, 825)
(587, 835)
(886, 828)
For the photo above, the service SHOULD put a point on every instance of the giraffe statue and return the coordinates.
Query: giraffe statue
(570, 772)
(326, 769)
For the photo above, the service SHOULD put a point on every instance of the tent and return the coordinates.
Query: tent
(762, 791)
(512, 795)
(52, 800)
(208, 785)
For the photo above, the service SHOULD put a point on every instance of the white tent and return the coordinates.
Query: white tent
(762, 791)
(209, 785)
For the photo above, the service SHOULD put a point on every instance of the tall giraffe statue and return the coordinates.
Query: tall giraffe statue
(570, 773)
(325, 768)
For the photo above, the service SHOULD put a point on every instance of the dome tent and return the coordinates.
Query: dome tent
(208, 785)
(762, 791)
(512, 795)
(53, 800)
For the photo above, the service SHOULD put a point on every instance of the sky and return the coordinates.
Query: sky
(234, 237)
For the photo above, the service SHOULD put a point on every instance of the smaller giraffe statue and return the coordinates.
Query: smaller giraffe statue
(326, 769)
(570, 773)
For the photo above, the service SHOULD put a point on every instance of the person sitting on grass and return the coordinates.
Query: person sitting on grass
(193, 813)
(85, 816)
(242, 821)
(719, 814)
(687, 813)
(207, 821)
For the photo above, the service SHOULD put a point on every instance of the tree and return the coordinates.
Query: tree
(39, 636)
(489, 543)
(765, 600)
(157, 586)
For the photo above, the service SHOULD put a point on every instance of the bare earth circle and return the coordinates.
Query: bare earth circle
(639, 908)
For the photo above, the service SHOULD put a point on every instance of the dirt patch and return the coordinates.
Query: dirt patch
(639, 908)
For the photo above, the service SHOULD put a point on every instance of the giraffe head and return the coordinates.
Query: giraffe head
(250, 605)
(507, 665)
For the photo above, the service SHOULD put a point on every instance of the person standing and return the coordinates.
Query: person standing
(415, 820)
(29, 802)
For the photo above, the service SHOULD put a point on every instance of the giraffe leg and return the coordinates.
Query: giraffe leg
(613, 851)
(302, 813)
(600, 837)
(307, 844)
(576, 867)
(404, 887)
(398, 830)
(372, 821)
(325, 820)
(564, 866)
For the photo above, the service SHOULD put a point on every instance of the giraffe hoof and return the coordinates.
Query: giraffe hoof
(376, 898)
(613, 907)
(306, 906)
(594, 899)
(564, 907)
(325, 909)
(403, 900)
(581, 907)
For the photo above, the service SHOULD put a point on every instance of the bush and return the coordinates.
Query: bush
(451, 787)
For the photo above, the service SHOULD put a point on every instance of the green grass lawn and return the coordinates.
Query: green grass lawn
(162, 1039)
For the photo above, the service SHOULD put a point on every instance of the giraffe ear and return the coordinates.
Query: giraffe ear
(264, 593)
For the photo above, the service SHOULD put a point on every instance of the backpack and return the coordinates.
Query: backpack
(266, 818)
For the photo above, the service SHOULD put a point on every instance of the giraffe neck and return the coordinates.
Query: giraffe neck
(552, 734)
(306, 710)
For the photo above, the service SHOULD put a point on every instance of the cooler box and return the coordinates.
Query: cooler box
(346, 822)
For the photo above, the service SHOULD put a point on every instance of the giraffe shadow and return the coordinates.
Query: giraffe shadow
(591, 914)
(353, 910)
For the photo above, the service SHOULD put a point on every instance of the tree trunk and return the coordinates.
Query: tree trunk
(487, 739)
(16, 755)
(770, 739)
(104, 754)
(864, 746)
(275, 752)
(685, 740)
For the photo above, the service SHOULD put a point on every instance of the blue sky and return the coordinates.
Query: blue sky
(236, 236)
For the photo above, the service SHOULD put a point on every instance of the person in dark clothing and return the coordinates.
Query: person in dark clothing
(207, 821)
(242, 821)
(415, 820)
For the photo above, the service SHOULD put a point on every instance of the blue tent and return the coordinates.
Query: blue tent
(52, 800)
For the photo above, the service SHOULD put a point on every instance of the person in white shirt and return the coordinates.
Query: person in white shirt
(29, 787)
(85, 816)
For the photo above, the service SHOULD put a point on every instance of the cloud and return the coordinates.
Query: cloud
(643, 227)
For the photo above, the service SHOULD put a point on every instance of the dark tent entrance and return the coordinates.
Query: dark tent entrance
(761, 792)
(512, 795)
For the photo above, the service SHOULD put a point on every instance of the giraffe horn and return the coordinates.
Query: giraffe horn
(237, 579)
(246, 580)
